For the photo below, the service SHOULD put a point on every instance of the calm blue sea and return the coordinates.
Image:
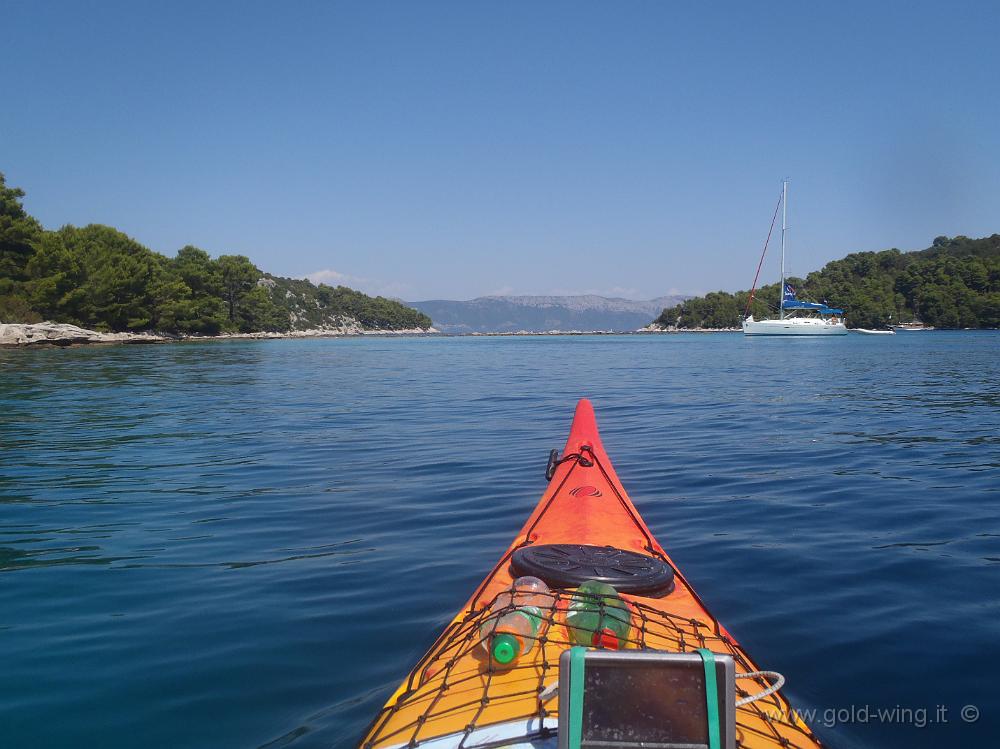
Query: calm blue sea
(249, 543)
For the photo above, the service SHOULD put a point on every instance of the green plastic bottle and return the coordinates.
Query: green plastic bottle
(598, 617)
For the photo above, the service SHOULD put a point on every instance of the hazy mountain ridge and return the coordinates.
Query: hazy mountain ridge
(507, 314)
(590, 302)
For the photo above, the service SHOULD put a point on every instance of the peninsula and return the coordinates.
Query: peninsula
(107, 284)
(954, 283)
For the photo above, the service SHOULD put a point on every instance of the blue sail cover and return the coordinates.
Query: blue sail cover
(821, 308)
(789, 301)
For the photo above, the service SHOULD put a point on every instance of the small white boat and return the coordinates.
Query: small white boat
(869, 331)
(794, 317)
(912, 326)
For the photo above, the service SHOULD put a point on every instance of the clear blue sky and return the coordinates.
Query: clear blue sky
(449, 150)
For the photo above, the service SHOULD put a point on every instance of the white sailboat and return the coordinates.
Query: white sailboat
(795, 317)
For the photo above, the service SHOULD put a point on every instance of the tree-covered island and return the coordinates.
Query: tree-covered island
(99, 278)
(954, 283)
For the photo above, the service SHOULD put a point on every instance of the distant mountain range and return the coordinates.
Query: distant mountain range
(509, 314)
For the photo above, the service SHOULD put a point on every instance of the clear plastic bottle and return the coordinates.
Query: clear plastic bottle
(517, 615)
(598, 617)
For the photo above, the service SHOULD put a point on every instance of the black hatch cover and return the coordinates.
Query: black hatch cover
(568, 565)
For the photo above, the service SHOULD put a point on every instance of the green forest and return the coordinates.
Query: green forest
(101, 279)
(954, 283)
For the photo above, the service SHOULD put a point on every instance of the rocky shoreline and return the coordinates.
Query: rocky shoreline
(652, 328)
(64, 334)
(641, 331)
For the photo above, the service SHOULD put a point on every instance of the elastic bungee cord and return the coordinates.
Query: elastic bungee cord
(779, 682)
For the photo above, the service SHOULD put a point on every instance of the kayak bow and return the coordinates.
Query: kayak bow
(455, 697)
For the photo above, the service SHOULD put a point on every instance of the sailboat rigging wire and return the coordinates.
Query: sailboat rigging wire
(753, 288)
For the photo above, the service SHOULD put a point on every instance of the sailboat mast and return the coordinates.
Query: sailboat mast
(784, 228)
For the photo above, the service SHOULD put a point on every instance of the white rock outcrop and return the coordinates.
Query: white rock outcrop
(63, 334)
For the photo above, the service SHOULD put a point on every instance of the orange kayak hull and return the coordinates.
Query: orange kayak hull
(455, 696)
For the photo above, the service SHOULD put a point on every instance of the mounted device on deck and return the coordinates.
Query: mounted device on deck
(654, 700)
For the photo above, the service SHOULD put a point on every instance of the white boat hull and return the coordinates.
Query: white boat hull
(866, 331)
(793, 326)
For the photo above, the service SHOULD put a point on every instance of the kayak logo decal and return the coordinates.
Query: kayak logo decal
(586, 491)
